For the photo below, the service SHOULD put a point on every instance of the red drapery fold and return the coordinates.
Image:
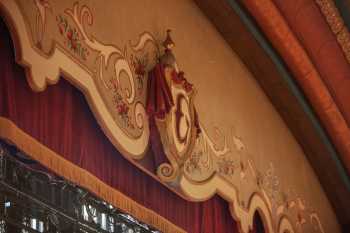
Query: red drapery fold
(160, 100)
(60, 118)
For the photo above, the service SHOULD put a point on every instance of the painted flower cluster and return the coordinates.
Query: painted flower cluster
(139, 67)
(121, 107)
(72, 38)
(193, 163)
(226, 166)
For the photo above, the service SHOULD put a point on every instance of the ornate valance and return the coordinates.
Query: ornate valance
(175, 113)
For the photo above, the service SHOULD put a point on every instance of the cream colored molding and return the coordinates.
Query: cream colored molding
(58, 63)
(199, 167)
(243, 215)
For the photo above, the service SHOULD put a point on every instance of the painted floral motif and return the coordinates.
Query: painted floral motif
(139, 68)
(193, 163)
(72, 37)
(122, 107)
(128, 112)
(280, 202)
(271, 185)
(226, 166)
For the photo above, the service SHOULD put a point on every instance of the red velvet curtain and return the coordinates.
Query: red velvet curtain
(60, 118)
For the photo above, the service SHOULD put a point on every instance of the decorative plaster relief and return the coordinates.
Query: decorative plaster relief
(119, 84)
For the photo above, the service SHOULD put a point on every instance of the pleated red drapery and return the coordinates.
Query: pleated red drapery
(60, 118)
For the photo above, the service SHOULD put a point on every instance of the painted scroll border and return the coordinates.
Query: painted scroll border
(26, 52)
(68, 67)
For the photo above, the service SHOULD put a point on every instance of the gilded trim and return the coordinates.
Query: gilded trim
(336, 23)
